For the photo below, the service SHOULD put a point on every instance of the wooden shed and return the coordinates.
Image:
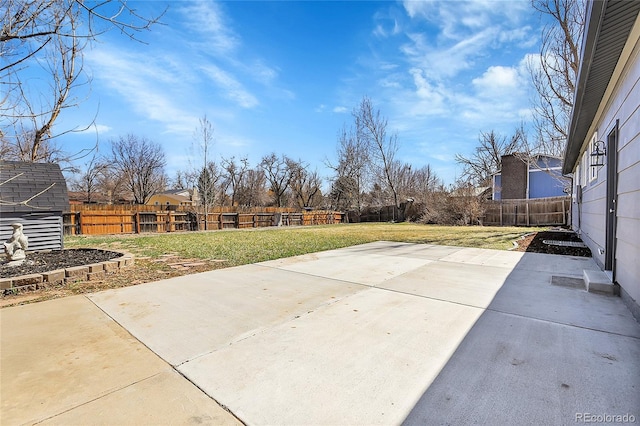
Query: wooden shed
(34, 194)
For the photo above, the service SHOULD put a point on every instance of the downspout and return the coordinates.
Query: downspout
(527, 188)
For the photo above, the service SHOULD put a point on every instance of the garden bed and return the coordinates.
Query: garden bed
(61, 266)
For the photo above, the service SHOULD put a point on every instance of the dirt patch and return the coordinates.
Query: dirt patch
(550, 242)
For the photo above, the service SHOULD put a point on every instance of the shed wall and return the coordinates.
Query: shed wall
(43, 230)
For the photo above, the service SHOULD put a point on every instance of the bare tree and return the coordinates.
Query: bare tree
(415, 184)
(351, 169)
(207, 185)
(383, 147)
(113, 185)
(234, 174)
(141, 163)
(184, 180)
(51, 35)
(278, 174)
(305, 185)
(487, 157)
(89, 181)
(253, 189)
(555, 72)
(426, 182)
(48, 152)
(207, 173)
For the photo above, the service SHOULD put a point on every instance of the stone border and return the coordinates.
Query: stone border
(92, 272)
(521, 237)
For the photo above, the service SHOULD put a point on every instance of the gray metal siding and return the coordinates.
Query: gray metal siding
(44, 231)
(628, 209)
(593, 220)
(590, 218)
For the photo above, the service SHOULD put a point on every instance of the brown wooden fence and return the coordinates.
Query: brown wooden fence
(102, 220)
(536, 212)
(376, 214)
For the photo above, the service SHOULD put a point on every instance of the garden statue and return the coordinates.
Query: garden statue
(17, 245)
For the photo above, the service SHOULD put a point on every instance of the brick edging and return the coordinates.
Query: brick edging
(91, 272)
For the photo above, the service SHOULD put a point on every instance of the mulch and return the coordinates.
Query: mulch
(535, 243)
(44, 261)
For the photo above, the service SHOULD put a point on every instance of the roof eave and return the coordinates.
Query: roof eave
(594, 15)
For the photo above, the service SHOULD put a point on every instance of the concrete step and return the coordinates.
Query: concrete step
(598, 282)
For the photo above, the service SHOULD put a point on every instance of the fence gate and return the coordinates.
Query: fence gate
(148, 222)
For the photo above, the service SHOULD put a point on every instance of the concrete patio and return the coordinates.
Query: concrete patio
(382, 333)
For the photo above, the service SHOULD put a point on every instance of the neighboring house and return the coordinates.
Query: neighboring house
(482, 192)
(34, 194)
(176, 197)
(603, 149)
(525, 177)
(79, 197)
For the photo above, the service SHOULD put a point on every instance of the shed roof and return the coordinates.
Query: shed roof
(607, 29)
(32, 187)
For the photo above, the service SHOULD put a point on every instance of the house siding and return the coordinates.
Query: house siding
(544, 178)
(622, 105)
(545, 183)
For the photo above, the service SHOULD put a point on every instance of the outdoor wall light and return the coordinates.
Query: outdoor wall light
(598, 154)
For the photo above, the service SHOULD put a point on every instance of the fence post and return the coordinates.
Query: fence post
(255, 220)
(137, 219)
(527, 208)
(79, 222)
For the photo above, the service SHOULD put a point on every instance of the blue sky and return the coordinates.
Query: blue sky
(284, 76)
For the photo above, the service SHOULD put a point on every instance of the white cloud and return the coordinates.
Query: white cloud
(263, 73)
(386, 26)
(456, 18)
(428, 94)
(340, 110)
(451, 81)
(145, 88)
(498, 80)
(233, 89)
(208, 21)
(465, 32)
(447, 61)
(97, 128)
